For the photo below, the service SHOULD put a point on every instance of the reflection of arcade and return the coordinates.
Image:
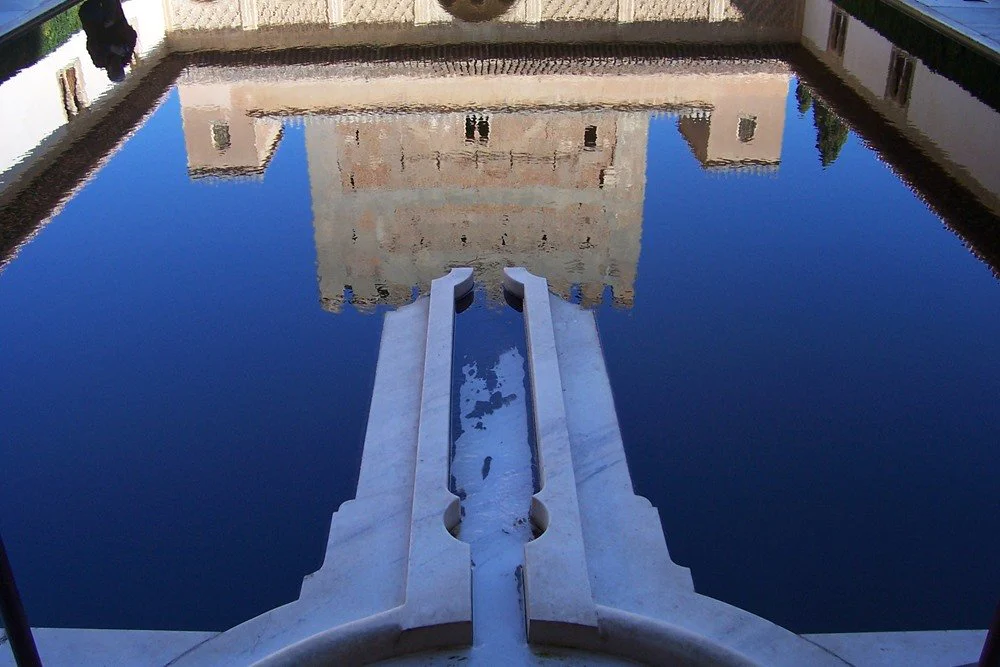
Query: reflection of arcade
(110, 38)
(398, 198)
(749, 19)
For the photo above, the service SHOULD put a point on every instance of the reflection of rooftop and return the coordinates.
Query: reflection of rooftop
(471, 169)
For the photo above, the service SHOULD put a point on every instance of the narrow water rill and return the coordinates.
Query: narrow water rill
(491, 469)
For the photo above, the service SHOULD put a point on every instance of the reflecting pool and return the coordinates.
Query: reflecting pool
(790, 244)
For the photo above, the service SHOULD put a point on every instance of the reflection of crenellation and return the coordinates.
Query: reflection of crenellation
(398, 199)
(543, 170)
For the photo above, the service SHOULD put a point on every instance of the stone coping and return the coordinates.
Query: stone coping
(600, 577)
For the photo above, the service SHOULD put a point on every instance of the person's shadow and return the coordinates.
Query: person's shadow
(110, 39)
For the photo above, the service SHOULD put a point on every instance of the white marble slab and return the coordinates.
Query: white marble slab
(439, 579)
(558, 601)
(644, 605)
(394, 579)
(71, 647)
(949, 648)
(396, 584)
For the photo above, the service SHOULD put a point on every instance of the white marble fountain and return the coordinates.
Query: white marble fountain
(593, 582)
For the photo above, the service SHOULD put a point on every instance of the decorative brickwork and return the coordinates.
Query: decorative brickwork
(386, 11)
(291, 12)
(226, 14)
(674, 10)
(193, 15)
(580, 10)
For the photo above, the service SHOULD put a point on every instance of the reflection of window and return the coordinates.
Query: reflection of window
(590, 136)
(607, 177)
(477, 125)
(897, 87)
(220, 136)
(838, 32)
(71, 85)
(747, 128)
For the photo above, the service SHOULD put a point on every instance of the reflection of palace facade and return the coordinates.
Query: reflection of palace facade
(731, 115)
(476, 170)
(398, 198)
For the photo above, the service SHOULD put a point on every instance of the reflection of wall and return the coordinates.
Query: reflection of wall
(957, 130)
(43, 98)
(400, 196)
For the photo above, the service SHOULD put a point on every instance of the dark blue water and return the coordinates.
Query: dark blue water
(807, 385)
(180, 415)
(808, 390)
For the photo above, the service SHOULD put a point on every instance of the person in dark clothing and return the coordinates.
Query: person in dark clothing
(110, 39)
